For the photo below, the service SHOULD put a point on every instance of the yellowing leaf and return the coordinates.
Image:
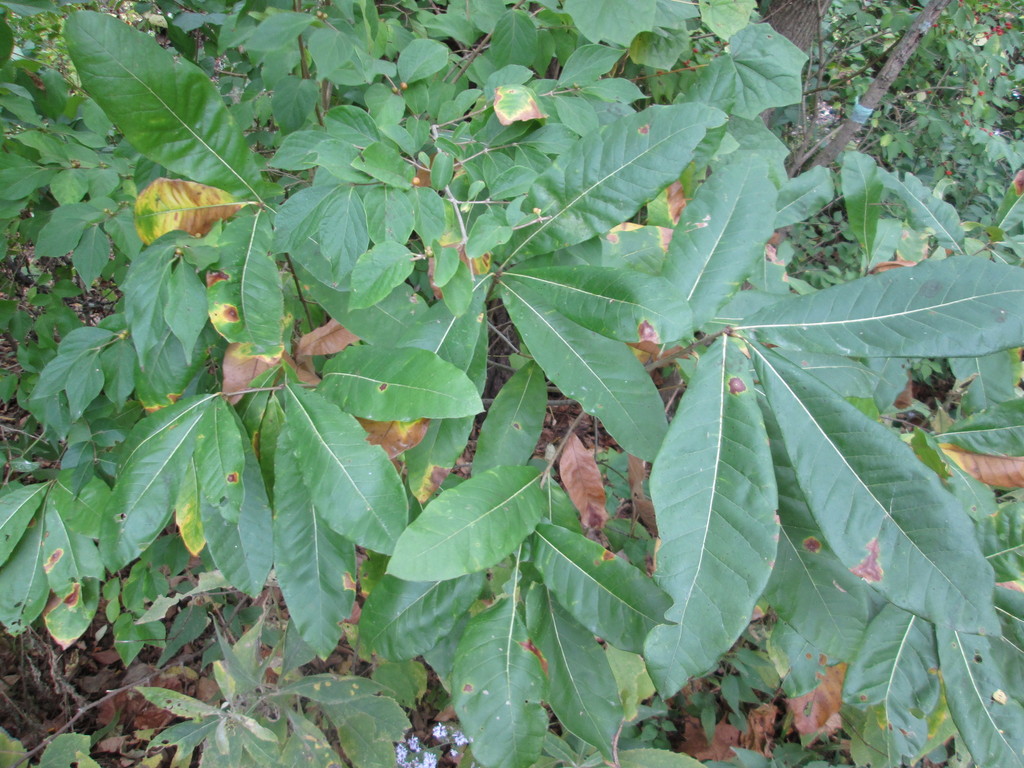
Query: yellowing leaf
(582, 480)
(169, 204)
(1000, 471)
(395, 437)
(515, 103)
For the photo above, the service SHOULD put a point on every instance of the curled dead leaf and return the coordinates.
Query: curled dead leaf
(817, 712)
(885, 266)
(170, 204)
(1000, 471)
(582, 480)
(395, 437)
(329, 338)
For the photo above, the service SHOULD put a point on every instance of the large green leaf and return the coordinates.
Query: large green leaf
(497, 685)
(604, 593)
(514, 421)
(604, 19)
(803, 196)
(894, 667)
(886, 515)
(245, 300)
(982, 676)
(166, 107)
(403, 619)
(401, 384)
(23, 585)
(602, 374)
(862, 195)
(471, 527)
(70, 557)
(18, 504)
(353, 485)
(721, 236)
(766, 69)
(315, 566)
(582, 689)
(76, 369)
(605, 178)
(618, 303)
(922, 311)
(220, 459)
(243, 550)
(715, 499)
(158, 453)
(927, 212)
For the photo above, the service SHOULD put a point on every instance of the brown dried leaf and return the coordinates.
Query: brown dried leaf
(695, 742)
(1018, 182)
(760, 733)
(643, 506)
(582, 480)
(885, 266)
(1000, 471)
(817, 712)
(329, 338)
(395, 437)
(240, 367)
(676, 201)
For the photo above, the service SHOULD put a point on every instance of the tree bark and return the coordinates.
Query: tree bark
(886, 76)
(799, 21)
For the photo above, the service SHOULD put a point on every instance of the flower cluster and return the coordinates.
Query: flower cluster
(413, 753)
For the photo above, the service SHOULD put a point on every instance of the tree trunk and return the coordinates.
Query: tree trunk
(900, 55)
(799, 21)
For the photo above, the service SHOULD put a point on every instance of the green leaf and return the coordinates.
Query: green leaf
(582, 689)
(403, 619)
(997, 430)
(804, 195)
(809, 588)
(384, 163)
(378, 272)
(76, 369)
(862, 195)
(18, 504)
(422, 58)
(514, 421)
(158, 453)
(145, 295)
(587, 64)
(243, 550)
(886, 516)
(184, 305)
(63, 232)
(497, 685)
(68, 557)
(895, 667)
(767, 68)
(400, 384)
(337, 463)
(23, 585)
(604, 20)
(607, 595)
(91, 254)
(655, 758)
(220, 460)
(714, 495)
(603, 179)
(726, 17)
(980, 676)
(515, 39)
(603, 375)
(618, 303)
(315, 566)
(70, 617)
(927, 212)
(471, 527)
(917, 311)
(166, 107)
(721, 236)
(324, 229)
(245, 299)
(68, 749)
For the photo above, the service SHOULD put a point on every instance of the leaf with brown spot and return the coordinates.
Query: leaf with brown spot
(817, 712)
(869, 569)
(582, 480)
(395, 437)
(676, 201)
(240, 367)
(170, 204)
(1000, 471)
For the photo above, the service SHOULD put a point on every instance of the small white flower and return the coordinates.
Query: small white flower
(440, 732)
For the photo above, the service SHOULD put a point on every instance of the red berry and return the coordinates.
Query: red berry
(949, 173)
